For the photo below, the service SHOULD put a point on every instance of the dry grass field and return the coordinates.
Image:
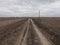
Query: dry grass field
(50, 27)
(7, 21)
(11, 30)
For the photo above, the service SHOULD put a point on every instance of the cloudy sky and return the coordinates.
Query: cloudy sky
(27, 8)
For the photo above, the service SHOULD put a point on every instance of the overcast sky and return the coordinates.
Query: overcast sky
(13, 8)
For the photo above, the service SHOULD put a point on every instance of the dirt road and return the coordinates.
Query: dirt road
(42, 38)
(23, 33)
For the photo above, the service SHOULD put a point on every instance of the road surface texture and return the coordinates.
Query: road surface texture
(23, 32)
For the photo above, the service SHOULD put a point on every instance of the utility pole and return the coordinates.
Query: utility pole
(39, 13)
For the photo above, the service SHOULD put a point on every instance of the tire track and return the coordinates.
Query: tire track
(22, 39)
(32, 38)
(42, 39)
(24, 42)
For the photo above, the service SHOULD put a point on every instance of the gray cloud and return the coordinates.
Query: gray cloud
(29, 7)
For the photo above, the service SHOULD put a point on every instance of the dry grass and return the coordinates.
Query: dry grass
(10, 33)
(51, 26)
(8, 26)
(7, 21)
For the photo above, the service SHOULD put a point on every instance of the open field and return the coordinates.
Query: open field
(50, 27)
(30, 31)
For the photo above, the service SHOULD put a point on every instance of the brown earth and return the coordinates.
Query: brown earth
(30, 31)
(50, 28)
